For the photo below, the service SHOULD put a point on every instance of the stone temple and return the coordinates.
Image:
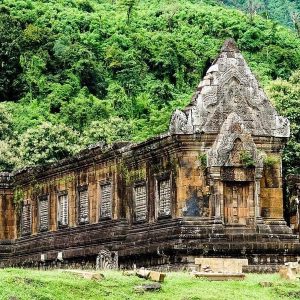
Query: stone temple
(210, 187)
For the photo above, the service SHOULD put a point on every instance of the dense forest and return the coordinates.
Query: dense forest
(286, 12)
(78, 72)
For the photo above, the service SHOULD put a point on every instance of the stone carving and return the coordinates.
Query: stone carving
(282, 128)
(229, 86)
(234, 140)
(107, 260)
(179, 123)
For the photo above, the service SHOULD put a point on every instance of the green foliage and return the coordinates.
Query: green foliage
(18, 195)
(285, 95)
(107, 131)
(130, 6)
(47, 143)
(203, 160)
(280, 10)
(8, 156)
(270, 161)
(83, 64)
(132, 176)
(5, 122)
(11, 40)
(247, 159)
(82, 110)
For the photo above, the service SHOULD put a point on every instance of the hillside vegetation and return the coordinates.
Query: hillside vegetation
(59, 285)
(286, 12)
(76, 72)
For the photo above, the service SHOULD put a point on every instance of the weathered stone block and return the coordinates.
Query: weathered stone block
(219, 276)
(222, 265)
(86, 274)
(143, 273)
(157, 276)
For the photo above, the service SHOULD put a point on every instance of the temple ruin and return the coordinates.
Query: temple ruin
(210, 187)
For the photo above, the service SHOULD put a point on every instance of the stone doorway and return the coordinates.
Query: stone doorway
(236, 202)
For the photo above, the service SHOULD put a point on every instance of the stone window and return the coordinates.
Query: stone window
(63, 206)
(105, 200)
(26, 219)
(140, 201)
(43, 209)
(164, 197)
(83, 206)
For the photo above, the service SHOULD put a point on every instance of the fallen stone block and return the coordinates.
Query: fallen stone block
(87, 274)
(295, 266)
(152, 287)
(288, 273)
(143, 273)
(157, 276)
(219, 276)
(222, 265)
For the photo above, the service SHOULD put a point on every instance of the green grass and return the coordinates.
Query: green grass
(18, 284)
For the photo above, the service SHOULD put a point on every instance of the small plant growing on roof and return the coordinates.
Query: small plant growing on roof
(203, 160)
(18, 195)
(270, 161)
(247, 159)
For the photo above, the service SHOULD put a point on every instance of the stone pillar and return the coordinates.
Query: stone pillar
(261, 227)
(7, 214)
(217, 195)
(257, 198)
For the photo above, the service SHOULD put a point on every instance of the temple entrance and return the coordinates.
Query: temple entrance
(236, 202)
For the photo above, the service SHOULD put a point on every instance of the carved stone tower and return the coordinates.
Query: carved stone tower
(230, 106)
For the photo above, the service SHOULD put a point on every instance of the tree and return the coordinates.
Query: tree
(130, 6)
(252, 8)
(107, 131)
(286, 94)
(11, 38)
(85, 108)
(33, 66)
(121, 103)
(8, 156)
(47, 143)
(170, 10)
(296, 21)
(5, 123)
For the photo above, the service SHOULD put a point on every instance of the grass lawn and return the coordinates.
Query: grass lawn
(18, 284)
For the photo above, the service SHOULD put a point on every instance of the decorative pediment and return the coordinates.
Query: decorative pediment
(234, 146)
(229, 86)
